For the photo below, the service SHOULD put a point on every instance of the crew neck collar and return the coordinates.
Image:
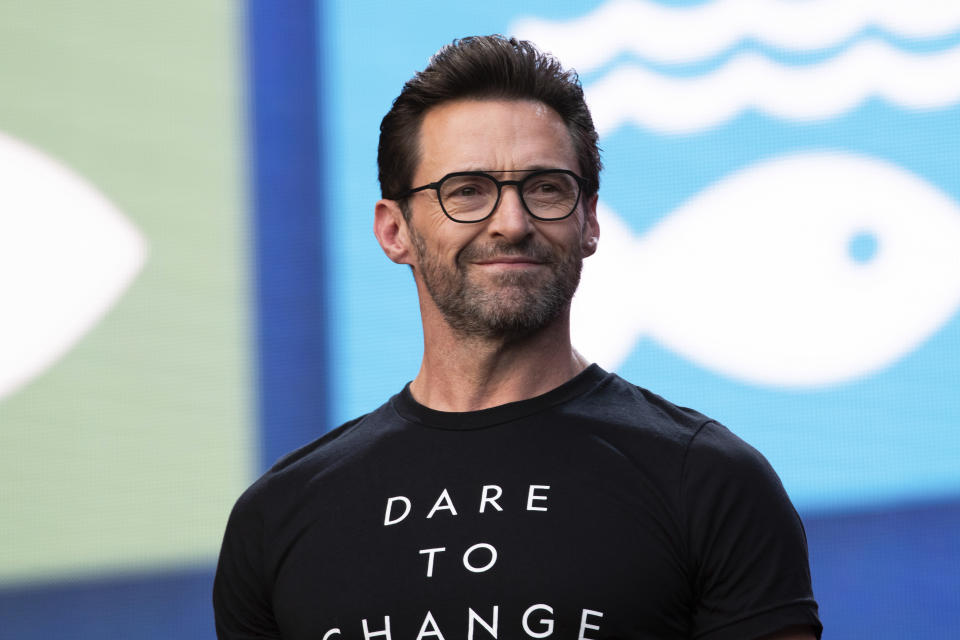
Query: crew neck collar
(411, 410)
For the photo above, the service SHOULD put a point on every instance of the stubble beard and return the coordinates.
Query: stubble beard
(513, 304)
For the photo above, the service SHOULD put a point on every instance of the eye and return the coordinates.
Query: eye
(544, 186)
(463, 188)
(549, 185)
(467, 191)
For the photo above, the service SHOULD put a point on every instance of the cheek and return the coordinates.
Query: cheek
(443, 249)
(568, 239)
(438, 230)
(452, 243)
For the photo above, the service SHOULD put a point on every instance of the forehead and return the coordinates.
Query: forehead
(465, 135)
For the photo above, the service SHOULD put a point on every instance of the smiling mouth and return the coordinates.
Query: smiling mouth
(509, 260)
(510, 263)
(527, 254)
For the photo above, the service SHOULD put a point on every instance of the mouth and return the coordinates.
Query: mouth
(505, 257)
(510, 262)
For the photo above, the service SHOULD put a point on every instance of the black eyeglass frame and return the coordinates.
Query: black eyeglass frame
(581, 183)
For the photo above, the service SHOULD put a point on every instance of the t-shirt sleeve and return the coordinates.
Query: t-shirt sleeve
(748, 548)
(241, 595)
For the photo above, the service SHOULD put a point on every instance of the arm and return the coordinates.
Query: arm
(747, 545)
(241, 593)
(791, 633)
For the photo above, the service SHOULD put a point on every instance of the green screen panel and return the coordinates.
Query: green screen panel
(128, 449)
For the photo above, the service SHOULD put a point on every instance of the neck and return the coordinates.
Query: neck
(468, 373)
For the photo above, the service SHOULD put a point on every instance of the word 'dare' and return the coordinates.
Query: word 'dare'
(399, 507)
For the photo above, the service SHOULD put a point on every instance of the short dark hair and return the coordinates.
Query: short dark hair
(484, 67)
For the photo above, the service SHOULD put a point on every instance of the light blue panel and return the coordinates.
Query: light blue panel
(887, 437)
(883, 435)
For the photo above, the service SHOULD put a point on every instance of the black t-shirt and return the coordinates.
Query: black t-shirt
(597, 510)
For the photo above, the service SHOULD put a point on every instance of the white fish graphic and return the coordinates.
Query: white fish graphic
(806, 270)
(659, 33)
(66, 255)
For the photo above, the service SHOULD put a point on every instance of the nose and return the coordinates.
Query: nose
(510, 219)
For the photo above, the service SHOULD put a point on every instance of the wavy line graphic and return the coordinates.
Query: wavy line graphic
(686, 34)
(677, 105)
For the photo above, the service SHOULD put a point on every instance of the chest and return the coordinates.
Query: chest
(506, 546)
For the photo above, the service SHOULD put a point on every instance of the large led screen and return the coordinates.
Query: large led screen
(190, 286)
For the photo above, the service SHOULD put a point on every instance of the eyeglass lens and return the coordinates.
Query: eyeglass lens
(548, 195)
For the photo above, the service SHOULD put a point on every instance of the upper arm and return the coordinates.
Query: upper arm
(241, 593)
(791, 633)
(748, 548)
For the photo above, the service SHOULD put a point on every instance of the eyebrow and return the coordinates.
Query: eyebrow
(533, 168)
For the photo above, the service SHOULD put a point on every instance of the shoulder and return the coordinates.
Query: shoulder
(716, 457)
(696, 455)
(335, 452)
(633, 425)
(622, 409)
(638, 412)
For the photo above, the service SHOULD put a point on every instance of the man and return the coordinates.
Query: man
(511, 490)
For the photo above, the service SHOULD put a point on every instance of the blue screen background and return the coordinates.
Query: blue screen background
(870, 462)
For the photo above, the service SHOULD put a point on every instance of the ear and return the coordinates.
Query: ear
(590, 234)
(390, 227)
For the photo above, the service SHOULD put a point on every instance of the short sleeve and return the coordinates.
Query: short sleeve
(747, 544)
(241, 594)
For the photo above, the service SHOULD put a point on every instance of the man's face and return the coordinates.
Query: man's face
(510, 274)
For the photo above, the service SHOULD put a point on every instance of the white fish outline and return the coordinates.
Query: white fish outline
(680, 105)
(66, 256)
(660, 33)
(753, 278)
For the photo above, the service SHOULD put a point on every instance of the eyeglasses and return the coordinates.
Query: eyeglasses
(473, 196)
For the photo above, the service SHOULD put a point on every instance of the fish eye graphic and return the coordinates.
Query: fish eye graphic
(66, 255)
(805, 270)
